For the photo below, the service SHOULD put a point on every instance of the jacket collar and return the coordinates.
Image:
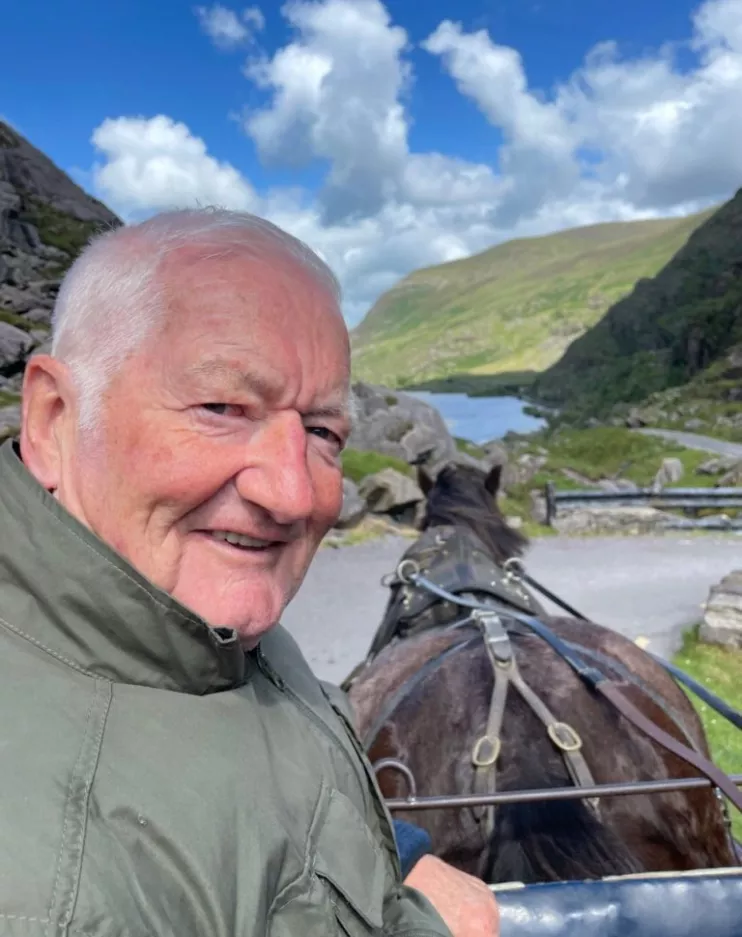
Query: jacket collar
(69, 593)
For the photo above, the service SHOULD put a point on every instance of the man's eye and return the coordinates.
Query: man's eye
(325, 433)
(222, 409)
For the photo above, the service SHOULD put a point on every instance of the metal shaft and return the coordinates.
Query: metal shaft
(556, 793)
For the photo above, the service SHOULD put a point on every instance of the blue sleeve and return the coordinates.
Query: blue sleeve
(412, 844)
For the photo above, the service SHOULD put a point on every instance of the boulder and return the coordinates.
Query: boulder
(522, 470)
(670, 472)
(10, 421)
(18, 300)
(15, 344)
(624, 519)
(39, 314)
(400, 425)
(391, 492)
(45, 348)
(731, 478)
(613, 485)
(722, 619)
(354, 507)
(716, 466)
(635, 419)
(495, 453)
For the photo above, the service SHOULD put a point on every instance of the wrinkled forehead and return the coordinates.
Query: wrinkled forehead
(267, 307)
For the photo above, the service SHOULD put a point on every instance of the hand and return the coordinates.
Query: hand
(465, 903)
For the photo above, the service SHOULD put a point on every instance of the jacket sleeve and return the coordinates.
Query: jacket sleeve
(407, 912)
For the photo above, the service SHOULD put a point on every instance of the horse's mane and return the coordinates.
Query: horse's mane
(460, 496)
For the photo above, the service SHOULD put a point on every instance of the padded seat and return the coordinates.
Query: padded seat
(688, 904)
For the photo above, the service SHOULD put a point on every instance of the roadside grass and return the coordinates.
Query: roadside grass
(602, 452)
(12, 318)
(358, 463)
(612, 451)
(8, 400)
(469, 447)
(720, 670)
(372, 527)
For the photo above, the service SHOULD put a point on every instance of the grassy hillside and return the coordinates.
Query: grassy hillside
(513, 308)
(669, 330)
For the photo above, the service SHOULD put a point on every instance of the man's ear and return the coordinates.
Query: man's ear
(47, 418)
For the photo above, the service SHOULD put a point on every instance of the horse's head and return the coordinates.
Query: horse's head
(466, 496)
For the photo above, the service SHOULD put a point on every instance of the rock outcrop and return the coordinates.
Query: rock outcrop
(45, 220)
(399, 425)
(722, 620)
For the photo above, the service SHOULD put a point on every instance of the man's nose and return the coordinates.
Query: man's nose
(276, 477)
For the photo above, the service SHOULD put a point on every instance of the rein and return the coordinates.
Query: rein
(598, 682)
(516, 564)
(711, 699)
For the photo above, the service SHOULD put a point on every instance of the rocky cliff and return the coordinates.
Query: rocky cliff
(670, 330)
(45, 220)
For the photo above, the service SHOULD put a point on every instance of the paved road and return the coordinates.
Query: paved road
(649, 587)
(694, 441)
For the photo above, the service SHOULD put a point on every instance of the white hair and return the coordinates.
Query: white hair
(111, 298)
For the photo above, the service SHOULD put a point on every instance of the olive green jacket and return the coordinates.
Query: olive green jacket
(156, 779)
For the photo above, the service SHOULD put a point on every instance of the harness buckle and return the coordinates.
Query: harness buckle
(486, 751)
(403, 575)
(564, 737)
(514, 568)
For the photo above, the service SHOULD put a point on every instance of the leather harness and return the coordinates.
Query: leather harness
(457, 561)
(456, 567)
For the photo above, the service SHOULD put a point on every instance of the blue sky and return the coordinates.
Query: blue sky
(388, 135)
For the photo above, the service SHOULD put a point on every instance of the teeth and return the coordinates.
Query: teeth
(239, 540)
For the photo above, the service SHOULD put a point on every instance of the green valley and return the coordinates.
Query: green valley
(512, 309)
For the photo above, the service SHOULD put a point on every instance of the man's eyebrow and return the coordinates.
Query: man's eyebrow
(237, 377)
(266, 385)
(329, 412)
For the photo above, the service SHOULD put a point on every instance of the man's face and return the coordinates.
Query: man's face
(220, 471)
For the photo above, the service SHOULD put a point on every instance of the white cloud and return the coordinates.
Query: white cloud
(226, 28)
(658, 135)
(336, 97)
(621, 139)
(156, 164)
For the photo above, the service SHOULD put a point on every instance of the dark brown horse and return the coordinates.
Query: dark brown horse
(441, 703)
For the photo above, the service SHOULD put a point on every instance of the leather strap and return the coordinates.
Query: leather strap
(487, 748)
(594, 678)
(565, 739)
(611, 691)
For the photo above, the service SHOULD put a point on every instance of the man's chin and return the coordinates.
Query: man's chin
(249, 616)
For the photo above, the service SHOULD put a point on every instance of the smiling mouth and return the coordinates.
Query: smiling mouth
(241, 541)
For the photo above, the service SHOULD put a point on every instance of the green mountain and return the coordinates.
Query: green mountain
(513, 308)
(670, 330)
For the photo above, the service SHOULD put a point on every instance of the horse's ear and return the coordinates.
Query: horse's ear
(424, 480)
(492, 481)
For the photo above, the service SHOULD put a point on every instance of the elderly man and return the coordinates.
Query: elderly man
(170, 764)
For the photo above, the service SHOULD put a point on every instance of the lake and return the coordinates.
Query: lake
(480, 419)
